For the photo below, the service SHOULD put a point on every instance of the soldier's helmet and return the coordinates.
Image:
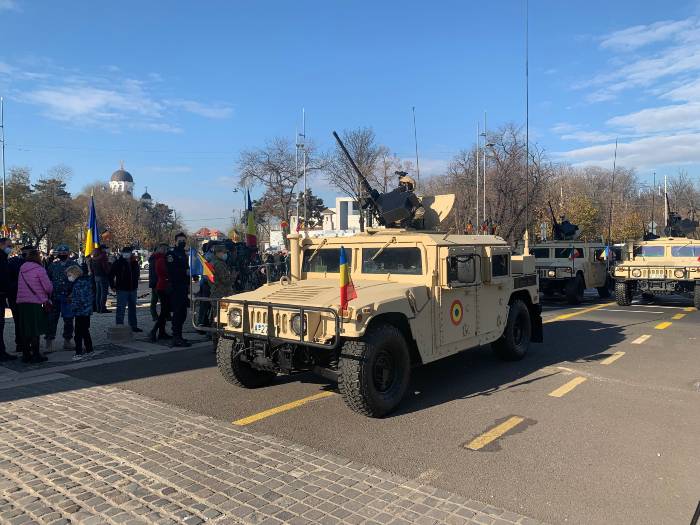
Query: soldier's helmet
(62, 248)
(406, 181)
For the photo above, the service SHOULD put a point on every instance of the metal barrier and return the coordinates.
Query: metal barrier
(270, 308)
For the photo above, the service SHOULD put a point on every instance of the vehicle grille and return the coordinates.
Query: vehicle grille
(290, 294)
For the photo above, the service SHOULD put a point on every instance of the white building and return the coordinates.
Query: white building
(345, 216)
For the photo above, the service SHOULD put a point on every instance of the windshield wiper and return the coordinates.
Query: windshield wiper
(379, 252)
(323, 242)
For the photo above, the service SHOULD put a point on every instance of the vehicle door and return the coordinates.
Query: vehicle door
(597, 268)
(456, 299)
(494, 293)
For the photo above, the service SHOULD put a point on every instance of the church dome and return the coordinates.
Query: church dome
(146, 196)
(121, 175)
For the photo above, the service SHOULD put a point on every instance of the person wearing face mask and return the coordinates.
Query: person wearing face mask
(223, 275)
(61, 306)
(5, 251)
(178, 274)
(81, 297)
(124, 279)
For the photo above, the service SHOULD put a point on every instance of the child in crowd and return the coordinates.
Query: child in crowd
(81, 298)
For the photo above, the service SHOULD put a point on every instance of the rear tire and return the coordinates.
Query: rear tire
(696, 295)
(238, 372)
(623, 293)
(374, 372)
(574, 290)
(515, 340)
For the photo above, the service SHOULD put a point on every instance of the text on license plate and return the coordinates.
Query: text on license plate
(260, 328)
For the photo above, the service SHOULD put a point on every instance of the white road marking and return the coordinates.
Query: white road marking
(640, 339)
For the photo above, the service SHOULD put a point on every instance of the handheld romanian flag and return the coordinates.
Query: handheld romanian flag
(92, 236)
(347, 289)
(207, 269)
(251, 238)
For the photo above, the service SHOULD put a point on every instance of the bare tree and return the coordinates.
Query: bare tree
(362, 146)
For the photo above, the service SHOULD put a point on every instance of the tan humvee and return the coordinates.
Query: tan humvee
(570, 267)
(421, 296)
(661, 266)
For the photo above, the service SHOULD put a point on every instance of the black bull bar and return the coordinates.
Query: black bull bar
(218, 326)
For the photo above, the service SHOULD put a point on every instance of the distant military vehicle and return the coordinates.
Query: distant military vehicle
(662, 266)
(568, 266)
(422, 295)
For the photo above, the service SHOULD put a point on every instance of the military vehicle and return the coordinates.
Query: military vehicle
(421, 295)
(568, 266)
(662, 265)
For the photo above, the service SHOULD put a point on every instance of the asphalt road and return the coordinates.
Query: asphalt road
(618, 445)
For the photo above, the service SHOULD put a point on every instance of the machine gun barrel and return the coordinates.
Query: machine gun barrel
(369, 192)
(555, 225)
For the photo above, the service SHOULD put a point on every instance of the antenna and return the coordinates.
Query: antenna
(415, 139)
(527, 115)
(2, 139)
(612, 189)
(484, 174)
(296, 164)
(303, 146)
(653, 195)
(478, 223)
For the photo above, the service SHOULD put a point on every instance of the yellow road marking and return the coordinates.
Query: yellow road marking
(567, 387)
(678, 316)
(612, 358)
(578, 312)
(663, 326)
(493, 434)
(640, 339)
(282, 408)
(690, 309)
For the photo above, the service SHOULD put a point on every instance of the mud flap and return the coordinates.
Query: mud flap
(537, 335)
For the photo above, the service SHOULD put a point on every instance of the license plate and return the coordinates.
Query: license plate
(260, 328)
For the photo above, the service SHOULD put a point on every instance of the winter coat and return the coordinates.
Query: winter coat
(81, 296)
(163, 278)
(99, 265)
(33, 285)
(13, 266)
(124, 275)
(57, 274)
(4, 275)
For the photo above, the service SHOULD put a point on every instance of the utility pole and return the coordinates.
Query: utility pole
(478, 224)
(485, 146)
(665, 201)
(527, 116)
(2, 138)
(612, 191)
(296, 164)
(653, 192)
(415, 139)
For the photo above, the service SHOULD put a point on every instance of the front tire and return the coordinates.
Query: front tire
(239, 372)
(374, 372)
(696, 295)
(623, 293)
(515, 340)
(574, 290)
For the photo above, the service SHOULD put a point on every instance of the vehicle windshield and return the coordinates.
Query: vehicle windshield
(649, 251)
(327, 260)
(540, 253)
(685, 251)
(565, 253)
(406, 261)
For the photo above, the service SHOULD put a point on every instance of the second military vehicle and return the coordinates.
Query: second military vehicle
(421, 296)
(668, 265)
(568, 266)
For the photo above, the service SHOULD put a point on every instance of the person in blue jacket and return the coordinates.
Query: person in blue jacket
(81, 299)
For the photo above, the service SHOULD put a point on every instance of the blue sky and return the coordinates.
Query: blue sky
(177, 89)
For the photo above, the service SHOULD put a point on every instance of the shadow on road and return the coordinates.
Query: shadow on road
(479, 372)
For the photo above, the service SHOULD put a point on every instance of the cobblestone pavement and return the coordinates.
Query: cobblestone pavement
(71, 452)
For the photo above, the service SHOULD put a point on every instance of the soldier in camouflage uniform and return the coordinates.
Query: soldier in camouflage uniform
(224, 276)
(61, 304)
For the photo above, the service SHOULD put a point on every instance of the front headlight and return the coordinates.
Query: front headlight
(235, 318)
(636, 272)
(296, 324)
(551, 273)
(679, 273)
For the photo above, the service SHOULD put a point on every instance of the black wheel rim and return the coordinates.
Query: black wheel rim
(384, 371)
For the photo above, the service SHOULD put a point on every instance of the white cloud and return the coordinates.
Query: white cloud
(588, 136)
(664, 118)
(647, 152)
(9, 5)
(209, 111)
(635, 37)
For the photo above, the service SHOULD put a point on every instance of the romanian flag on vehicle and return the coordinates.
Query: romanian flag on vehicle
(347, 289)
(207, 269)
(92, 236)
(251, 237)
